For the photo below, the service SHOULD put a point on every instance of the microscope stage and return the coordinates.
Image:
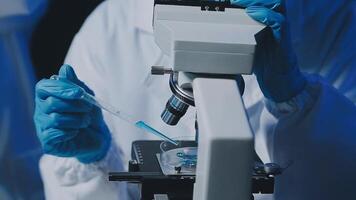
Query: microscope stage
(145, 169)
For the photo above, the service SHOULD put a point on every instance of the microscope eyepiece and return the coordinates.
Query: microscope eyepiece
(175, 109)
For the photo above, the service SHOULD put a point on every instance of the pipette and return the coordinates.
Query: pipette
(118, 113)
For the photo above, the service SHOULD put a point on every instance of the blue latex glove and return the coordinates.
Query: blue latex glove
(67, 126)
(275, 63)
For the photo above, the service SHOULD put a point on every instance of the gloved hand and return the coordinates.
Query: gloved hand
(67, 126)
(275, 63)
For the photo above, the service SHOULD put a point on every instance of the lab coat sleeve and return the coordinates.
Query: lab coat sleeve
(315, 135)
(67, 178)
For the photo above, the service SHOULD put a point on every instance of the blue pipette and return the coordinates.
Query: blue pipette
(118, 113)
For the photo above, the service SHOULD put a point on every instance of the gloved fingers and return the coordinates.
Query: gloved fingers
(53, 104)
(66, 72)
(53, 136)
(268, 17)
(58, 88)
(59, 142)
(271, 4)
(85, 144)
(63, 120)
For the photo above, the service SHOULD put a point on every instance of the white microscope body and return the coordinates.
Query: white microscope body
(207, 45)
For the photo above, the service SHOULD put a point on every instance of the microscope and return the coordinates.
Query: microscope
(210, 44)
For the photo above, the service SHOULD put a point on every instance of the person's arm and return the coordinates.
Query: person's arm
(316, 134)
(68, 177)
(309, 126)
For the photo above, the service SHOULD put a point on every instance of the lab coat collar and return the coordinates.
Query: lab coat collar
(143, 15)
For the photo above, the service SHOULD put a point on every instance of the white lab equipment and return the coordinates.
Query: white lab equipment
(203, 41)
(218, 110)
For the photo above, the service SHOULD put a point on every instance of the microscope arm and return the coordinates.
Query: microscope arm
(226, 148)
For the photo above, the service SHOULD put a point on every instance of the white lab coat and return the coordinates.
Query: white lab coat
(113, 53)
